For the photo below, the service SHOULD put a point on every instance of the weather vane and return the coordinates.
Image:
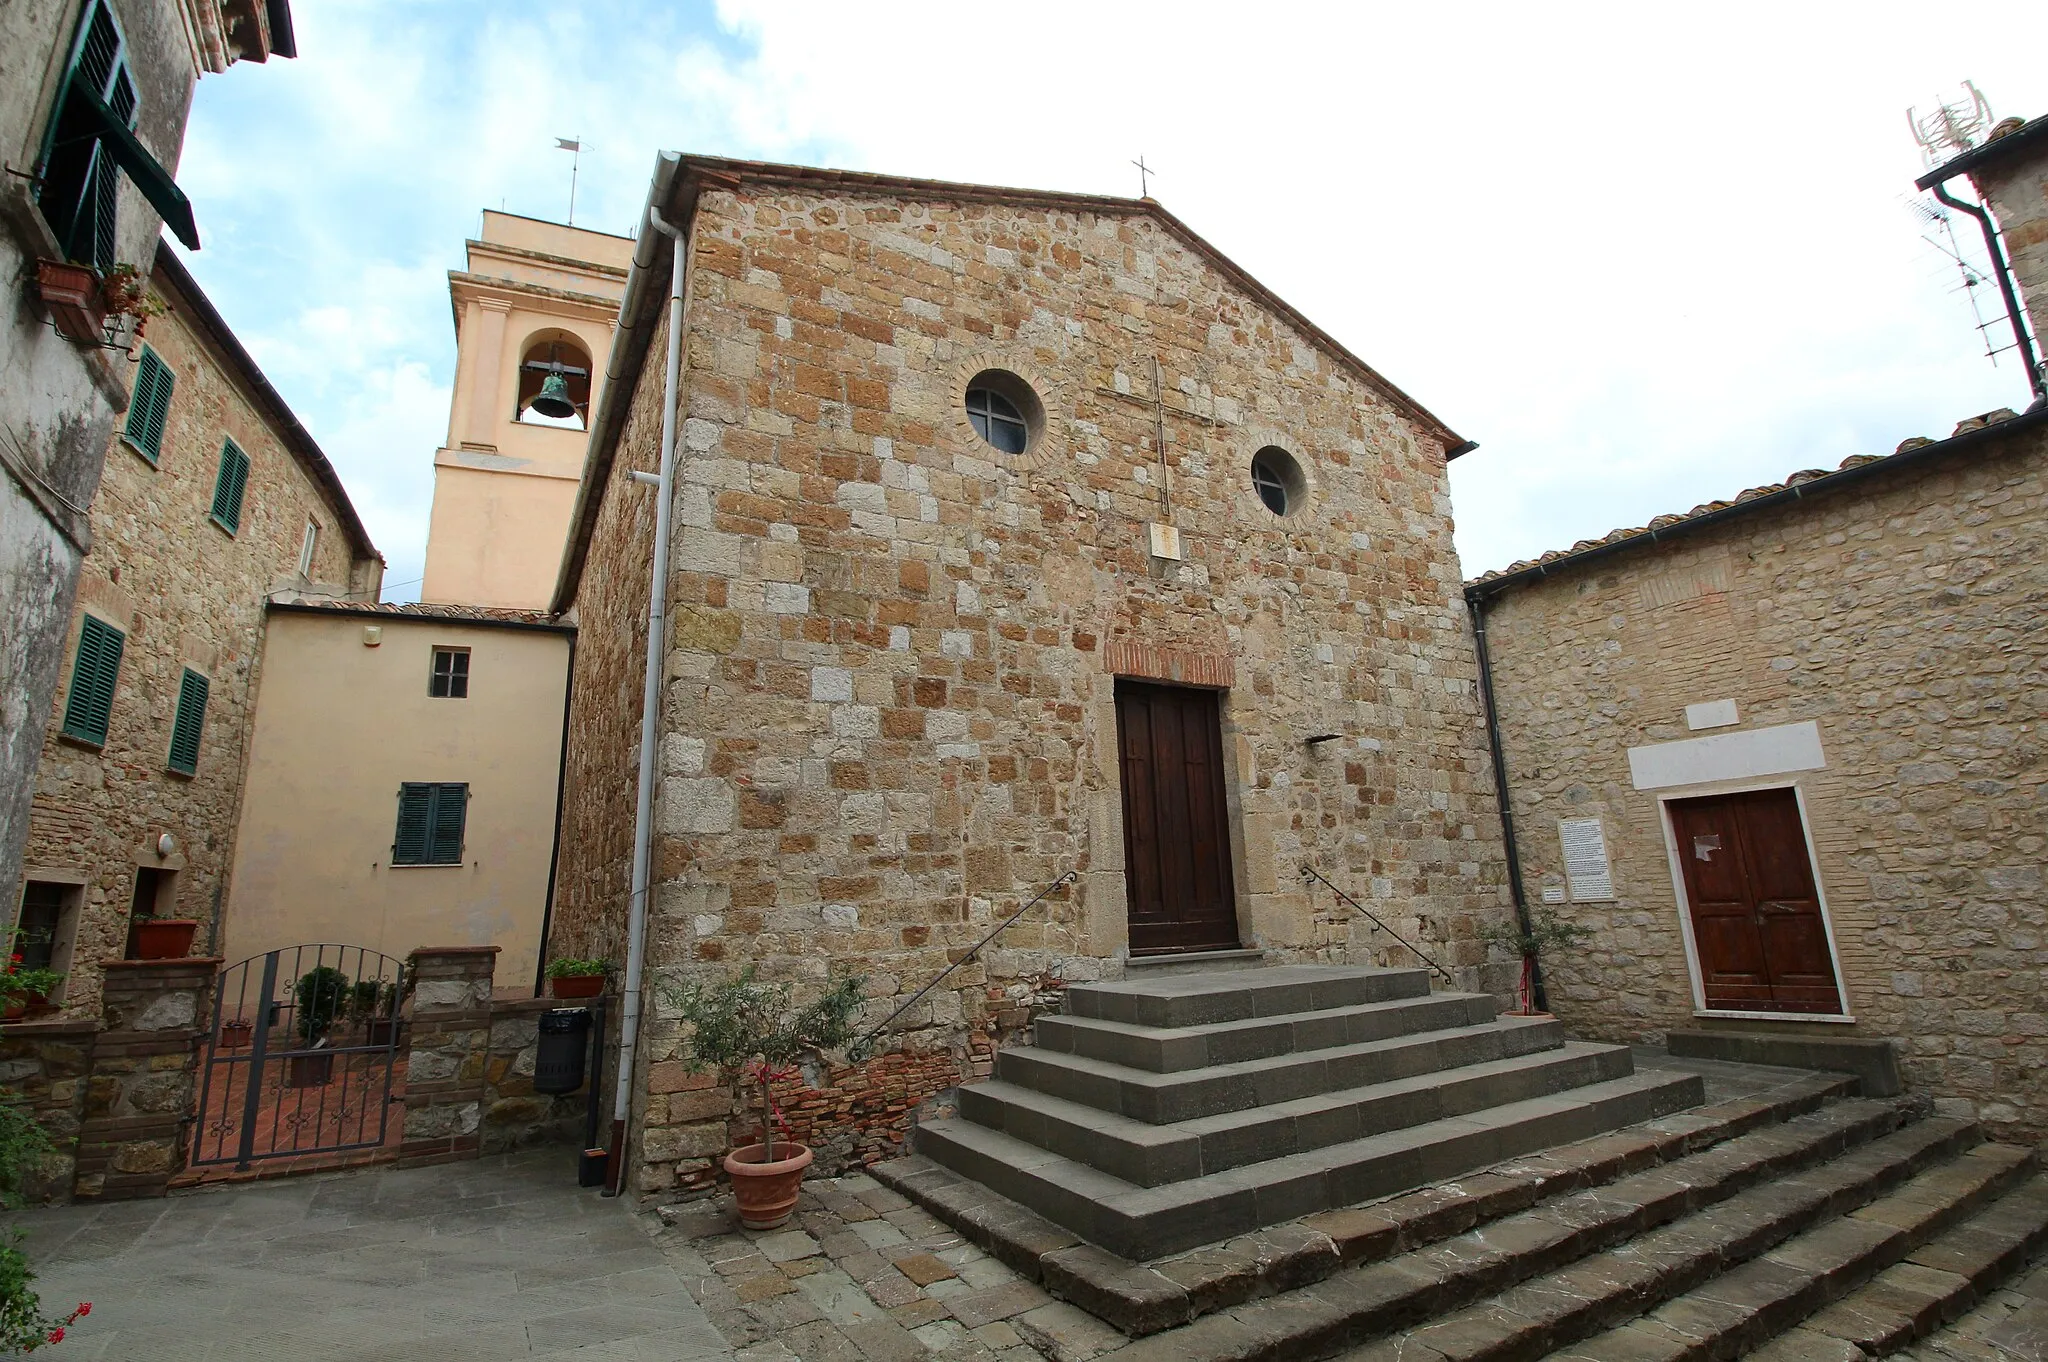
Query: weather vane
(1144, 174)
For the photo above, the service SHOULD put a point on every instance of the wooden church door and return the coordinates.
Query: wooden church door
(1177, 869)
(1756, 920)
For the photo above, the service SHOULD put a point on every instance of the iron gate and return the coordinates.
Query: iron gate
(302, 1058)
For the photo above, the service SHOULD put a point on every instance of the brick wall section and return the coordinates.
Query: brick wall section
(140, 1094)
(888, 715)
(186, 594)
(1903, 615)
(47, 1064)
(449, 1053)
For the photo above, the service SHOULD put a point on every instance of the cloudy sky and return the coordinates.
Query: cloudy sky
(1645, 255)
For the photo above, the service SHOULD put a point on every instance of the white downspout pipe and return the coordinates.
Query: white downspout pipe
(650, 714)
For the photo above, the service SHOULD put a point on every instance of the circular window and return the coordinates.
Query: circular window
(1279, 480)
(1003, 410)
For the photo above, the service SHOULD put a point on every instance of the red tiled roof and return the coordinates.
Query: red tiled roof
(470, 614)
(1665, 522)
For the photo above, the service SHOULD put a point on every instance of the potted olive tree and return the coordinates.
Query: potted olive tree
(755, 1033)
(1546, 931)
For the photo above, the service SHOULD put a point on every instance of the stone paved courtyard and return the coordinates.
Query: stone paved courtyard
(500, 1258)
(860, 1273)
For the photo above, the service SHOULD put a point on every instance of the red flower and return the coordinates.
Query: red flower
(57, 1334)
(16, 958)
(84, 1309)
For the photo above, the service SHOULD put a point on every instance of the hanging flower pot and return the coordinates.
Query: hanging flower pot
(164, 938)
(767, 1192)
(71, 295)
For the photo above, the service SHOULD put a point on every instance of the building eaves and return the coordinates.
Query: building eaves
(199, 309)
(1803, 485)
(420, 612)
(673, 191)
(2027, 136)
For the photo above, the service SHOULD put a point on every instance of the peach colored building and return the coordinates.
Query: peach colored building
(538, 300)
(367, 713)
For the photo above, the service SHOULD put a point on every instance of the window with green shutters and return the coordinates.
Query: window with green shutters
(149, 405)
(430, 822)
(191, 721)
(80, 182)
(91, 703)
(228, 486)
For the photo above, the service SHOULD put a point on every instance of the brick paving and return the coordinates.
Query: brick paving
(858, 1273)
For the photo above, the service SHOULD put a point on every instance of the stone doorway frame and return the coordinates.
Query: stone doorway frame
(1676, 867)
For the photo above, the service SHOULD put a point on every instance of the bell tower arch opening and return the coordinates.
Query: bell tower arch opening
(554, 381)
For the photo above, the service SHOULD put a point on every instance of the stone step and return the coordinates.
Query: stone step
(1151, 1154)
(1142, 1298)
(1237, 995)
(1149, 1222)
(1179, 1048)
(1938, 1283)
(1195, 962)
(1184, 1095)
(1776, 1279)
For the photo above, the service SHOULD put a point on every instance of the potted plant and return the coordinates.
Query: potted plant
(320, 999)
(755, 1032)
(576, 978)
(26, 989)
(1546, 930)
(236, 1034)
(125, 293)
(380, 1016)
(164, 938)
(71, 295)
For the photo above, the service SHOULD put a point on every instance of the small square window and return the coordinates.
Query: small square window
(451, 674)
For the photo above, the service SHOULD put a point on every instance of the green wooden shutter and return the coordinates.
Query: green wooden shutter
(150, 405)
(98, 667)
(228, 486)
(451, 806)
(191, 721)
(415, 809)
(77, 187)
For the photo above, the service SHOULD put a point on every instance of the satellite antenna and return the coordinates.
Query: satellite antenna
(1954, 127)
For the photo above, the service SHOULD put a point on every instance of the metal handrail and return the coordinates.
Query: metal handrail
(1309, 872)
(862, 1048)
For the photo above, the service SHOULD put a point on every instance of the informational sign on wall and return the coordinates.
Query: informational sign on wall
(1585, 860)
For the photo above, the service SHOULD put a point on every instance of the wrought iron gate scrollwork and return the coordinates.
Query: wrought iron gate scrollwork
(301, 1056)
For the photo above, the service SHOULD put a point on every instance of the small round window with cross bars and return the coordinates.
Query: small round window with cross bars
(1279, 481)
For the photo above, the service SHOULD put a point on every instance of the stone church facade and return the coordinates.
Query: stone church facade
(960, 601)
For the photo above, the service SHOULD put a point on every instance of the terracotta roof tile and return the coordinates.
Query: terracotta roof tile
(1800, 478)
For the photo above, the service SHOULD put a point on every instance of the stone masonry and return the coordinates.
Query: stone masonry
(1902, 614)
(186, 594)
(888, 716)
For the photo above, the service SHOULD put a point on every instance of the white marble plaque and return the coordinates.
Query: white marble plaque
(1585, 860)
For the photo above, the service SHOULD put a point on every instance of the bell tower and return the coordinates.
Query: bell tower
(534, 314)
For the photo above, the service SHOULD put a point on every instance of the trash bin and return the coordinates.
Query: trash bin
(558, 1067)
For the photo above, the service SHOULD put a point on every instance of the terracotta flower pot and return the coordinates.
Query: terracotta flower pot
(164, 938)
(766, 1192)
(17, 1008)
(71, 293)
(380, 1031)
(235, 1035)
(576, 985)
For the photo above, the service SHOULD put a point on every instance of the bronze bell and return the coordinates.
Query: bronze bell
(553, 401)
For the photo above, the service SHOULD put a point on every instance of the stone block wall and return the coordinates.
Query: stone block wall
(2015, 188)
(140, 1092)
(888, 714)
(185, 593)
(1903, 616)
(514, 1115)
(48, 1064)
(449, 1053)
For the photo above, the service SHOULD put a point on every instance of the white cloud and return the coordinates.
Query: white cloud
(1646, 256)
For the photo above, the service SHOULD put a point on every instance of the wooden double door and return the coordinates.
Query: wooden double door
(1756, 918)
(1177, 869)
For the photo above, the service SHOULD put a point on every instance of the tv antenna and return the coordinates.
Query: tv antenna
(1954, 127)
(1938, 229)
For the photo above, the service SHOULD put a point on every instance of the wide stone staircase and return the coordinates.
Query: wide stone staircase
(1286, 1163)
(1161, 1114)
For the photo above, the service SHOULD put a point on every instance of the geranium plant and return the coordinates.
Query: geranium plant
(755, 1032)
(24, 1324)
